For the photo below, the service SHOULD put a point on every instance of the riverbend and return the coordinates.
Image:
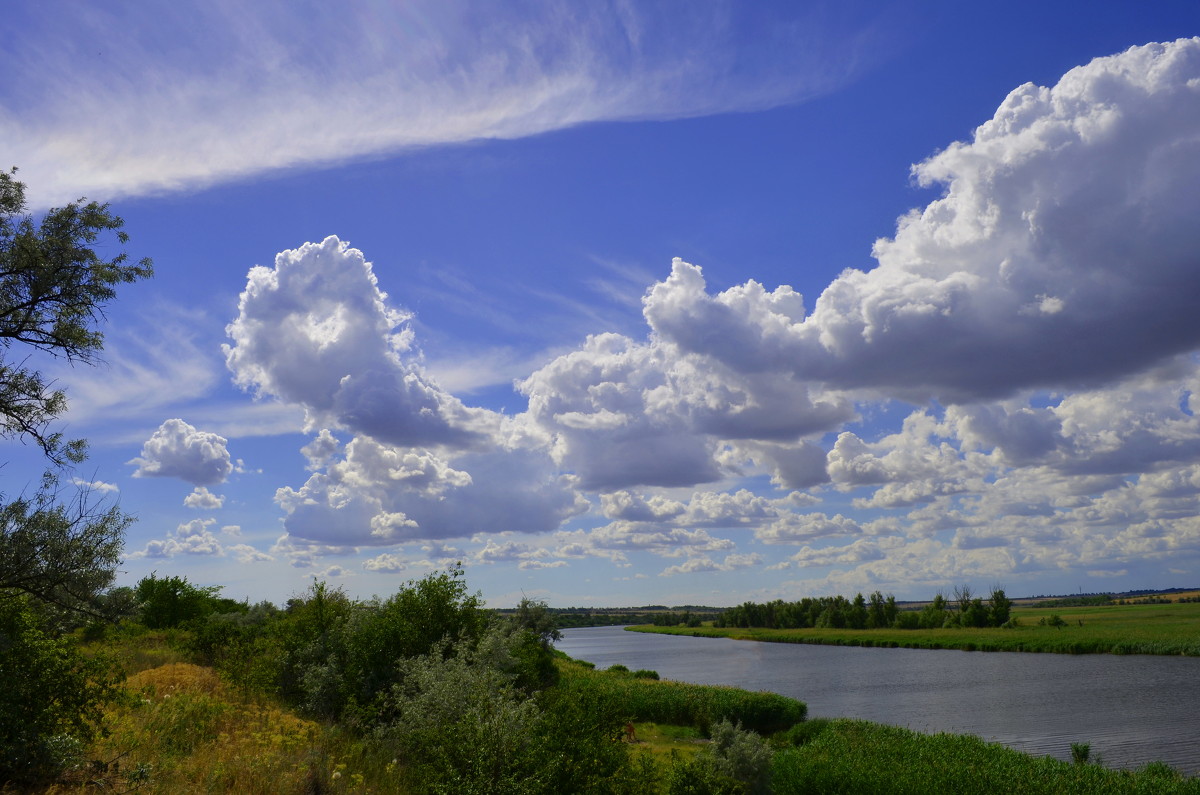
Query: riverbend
(1131, 709)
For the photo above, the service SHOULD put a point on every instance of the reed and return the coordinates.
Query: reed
(852, 756)
(682, 704)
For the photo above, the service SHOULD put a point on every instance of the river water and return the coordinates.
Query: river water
(1132, 709)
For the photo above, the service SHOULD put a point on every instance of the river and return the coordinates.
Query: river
(1132, 709)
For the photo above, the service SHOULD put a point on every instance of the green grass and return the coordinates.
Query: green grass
(1118, 629)
(861, 758)
(662, 740)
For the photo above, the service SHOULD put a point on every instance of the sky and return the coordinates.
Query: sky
(624, 303)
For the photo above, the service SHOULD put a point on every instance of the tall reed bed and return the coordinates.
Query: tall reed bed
(850, 756)
(681, 704)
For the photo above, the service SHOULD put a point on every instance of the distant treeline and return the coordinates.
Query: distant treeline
(1105, 599)
(1119, 595)
(1097, 600)
(873, 612)
(658, 615)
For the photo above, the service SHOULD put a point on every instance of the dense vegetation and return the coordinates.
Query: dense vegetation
(332, 694)
(424, 691)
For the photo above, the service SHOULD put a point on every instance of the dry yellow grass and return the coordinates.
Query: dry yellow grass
(182, 730)
(175, 678)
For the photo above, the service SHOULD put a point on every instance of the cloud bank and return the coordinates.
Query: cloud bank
(1028, 336)
(1062, 254)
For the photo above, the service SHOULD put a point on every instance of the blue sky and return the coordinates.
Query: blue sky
(625, 303)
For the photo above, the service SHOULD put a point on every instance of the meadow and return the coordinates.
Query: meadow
(1172, 628)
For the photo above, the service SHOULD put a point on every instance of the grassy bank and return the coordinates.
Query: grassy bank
(1118, 629)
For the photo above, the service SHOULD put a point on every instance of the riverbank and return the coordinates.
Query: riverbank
(1166, 629)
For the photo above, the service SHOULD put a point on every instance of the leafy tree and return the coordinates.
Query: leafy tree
(53, 290)
(857, 615)
(934, 614)
(55, 554)
(999, 608)
(533, 649)
(313, 635)
(62, 553)
(976, 614)
(876, 615)
(408, 624)
(170, 601)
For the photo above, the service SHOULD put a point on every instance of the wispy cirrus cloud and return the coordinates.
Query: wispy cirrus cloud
(96, 104)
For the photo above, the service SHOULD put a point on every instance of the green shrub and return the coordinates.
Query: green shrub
(51, 698)
(463, 725)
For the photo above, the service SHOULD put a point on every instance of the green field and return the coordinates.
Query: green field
(1116, 629)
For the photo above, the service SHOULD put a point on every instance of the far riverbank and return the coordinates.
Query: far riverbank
(1163, 629)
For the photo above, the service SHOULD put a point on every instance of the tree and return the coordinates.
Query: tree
(170, 601)
(1000, 608)
(55, 555)
(53, 291)
(962, 595)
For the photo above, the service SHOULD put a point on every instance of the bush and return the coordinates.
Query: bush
(737, 761)
(463, 725)
(51, 699)
(408, 624)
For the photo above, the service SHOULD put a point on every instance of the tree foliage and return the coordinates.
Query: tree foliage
(165, 602)
(62, 553)
(53, 290)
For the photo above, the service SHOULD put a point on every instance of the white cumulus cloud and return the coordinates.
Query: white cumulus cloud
(1076, 200)
(203, 499)
(178, 450)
